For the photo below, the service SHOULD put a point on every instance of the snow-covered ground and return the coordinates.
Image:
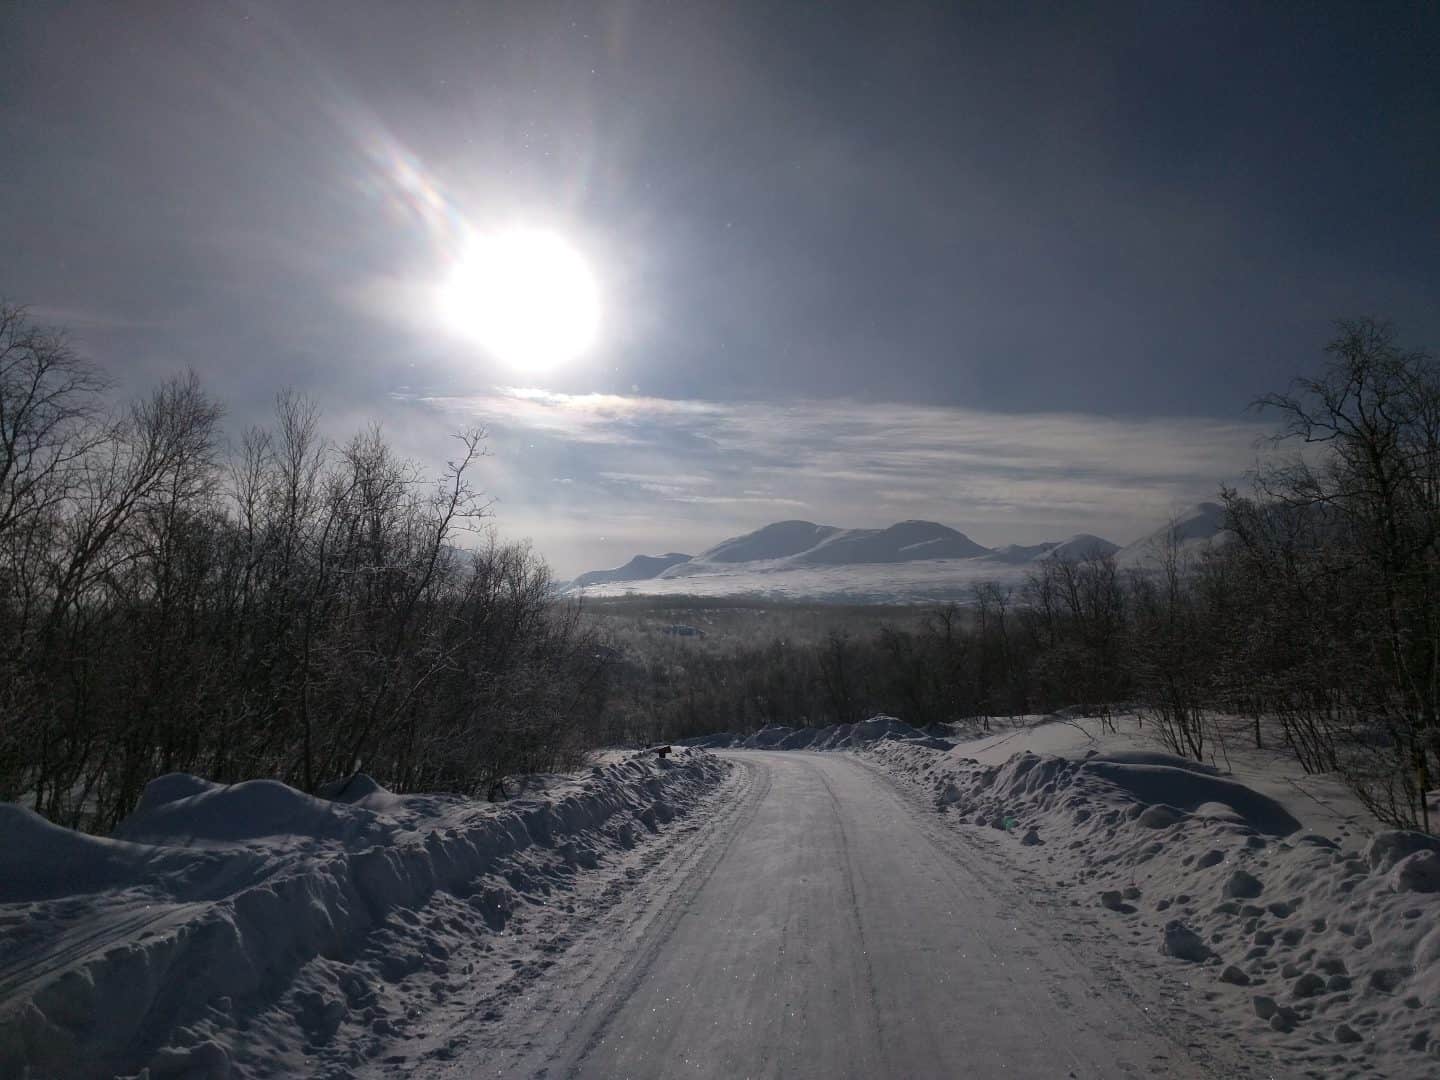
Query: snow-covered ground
(922, 581)
(1054, 898)
(833, 926)
(255, 930)
(1268, 898)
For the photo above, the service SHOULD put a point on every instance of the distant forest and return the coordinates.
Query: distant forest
(283, 606)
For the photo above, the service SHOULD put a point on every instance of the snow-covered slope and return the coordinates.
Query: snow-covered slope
(907, 541)
(640, 568)
(252, 929)
(1081, 546)
(1022, 553)
(803, 543)
(908, 562)
(922, 581)
(1265, 896)
(777, 541)
(1193, 531)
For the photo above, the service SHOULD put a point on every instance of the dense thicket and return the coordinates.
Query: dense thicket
(284, 608)
(1319, 620)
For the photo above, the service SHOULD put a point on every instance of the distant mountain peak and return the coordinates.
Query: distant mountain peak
(1082, 546)
(1192, 530)
(640, 568)
(905, 541)
(797, 543)
(909, 560)
(778, 540)
(1023, 553)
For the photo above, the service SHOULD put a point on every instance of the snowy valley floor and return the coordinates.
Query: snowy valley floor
(1049, 901)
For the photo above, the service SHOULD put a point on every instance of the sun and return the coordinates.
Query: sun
(525, 296)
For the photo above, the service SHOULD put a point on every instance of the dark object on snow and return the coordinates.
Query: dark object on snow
(1183, 943)
(658, 751)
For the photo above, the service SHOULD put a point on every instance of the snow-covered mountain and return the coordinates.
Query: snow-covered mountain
(907, 541)
(909, 561)
(804, 542)
(640, 568)
(1081, 546)
(798, 545)
(778, 541)
(1023, 553)
(1193, 531)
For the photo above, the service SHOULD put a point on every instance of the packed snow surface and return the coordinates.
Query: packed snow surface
(239, 929)
(1288, 913)
(1057, 895)
(825, 923)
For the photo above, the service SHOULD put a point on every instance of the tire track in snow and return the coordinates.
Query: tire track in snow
(687, 881)
(853, 903)
(513, 1032)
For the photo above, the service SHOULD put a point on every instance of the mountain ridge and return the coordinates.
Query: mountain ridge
(639, 568)
(925, 558)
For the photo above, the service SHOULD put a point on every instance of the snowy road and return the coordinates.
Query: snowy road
(823, 924)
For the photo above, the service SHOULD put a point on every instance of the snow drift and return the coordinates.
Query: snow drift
(142, 950)
(1327, 949)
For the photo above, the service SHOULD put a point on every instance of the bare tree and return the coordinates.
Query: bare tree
(1367, 483)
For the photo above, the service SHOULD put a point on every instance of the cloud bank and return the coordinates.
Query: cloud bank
(626, 473)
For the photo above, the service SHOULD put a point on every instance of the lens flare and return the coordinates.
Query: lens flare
(525, 296)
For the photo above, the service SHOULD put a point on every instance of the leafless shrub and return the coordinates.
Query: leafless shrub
(292, 609)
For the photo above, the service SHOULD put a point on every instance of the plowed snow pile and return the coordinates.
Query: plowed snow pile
(251, 929)
(1326, 948)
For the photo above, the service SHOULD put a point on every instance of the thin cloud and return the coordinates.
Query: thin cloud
(855, 462)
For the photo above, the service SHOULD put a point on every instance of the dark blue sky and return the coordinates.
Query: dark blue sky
(816, 229)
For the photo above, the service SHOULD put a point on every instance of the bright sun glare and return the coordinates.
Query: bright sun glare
(525, 296)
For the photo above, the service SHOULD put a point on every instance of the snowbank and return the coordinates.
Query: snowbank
(1330, 946)
(172, 945)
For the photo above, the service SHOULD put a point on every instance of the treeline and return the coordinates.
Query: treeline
(1318, 620)
(284, 607)
(1069, 637)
